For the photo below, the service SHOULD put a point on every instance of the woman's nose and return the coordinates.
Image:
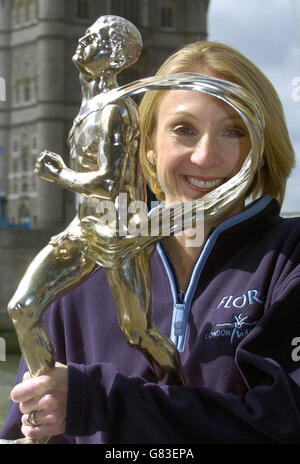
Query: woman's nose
(205, 152)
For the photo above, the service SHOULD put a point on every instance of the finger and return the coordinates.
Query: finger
(50, 155)
(26, 391)
(42, 156)
(46, 152)
(44, 417)
(31, 405)
(36, 433)
(33, 433)
(26, 376)
(40, 418)
(48, 402)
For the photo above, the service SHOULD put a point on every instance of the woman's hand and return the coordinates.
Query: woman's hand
(46, 396)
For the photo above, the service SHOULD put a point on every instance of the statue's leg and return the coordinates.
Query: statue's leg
(53, 270)
(131, 289)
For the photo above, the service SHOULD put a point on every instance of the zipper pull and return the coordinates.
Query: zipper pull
(180, 296)
(178, 323)
(179, 314)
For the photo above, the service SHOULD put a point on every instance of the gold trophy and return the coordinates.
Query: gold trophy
(104, 167)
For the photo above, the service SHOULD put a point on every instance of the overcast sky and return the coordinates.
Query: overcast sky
(268, 33)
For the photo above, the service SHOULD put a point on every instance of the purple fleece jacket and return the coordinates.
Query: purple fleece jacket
(234, 327)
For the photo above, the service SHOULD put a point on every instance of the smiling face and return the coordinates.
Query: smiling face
(199, 143)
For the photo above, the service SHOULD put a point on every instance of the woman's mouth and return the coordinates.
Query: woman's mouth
(204, 184)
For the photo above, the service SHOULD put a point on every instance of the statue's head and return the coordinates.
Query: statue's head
(111, 43)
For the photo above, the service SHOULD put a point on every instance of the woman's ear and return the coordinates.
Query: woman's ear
(151, 157)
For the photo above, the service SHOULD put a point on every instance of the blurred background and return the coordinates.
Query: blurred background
(40, 95)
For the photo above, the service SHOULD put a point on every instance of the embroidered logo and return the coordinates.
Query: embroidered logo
(249, 298)
(239, 328)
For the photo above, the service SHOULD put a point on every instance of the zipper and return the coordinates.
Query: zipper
(183, 300)
(180, 309)
(181, 293)
(172, 267)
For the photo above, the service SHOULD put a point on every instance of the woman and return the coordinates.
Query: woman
(237, 293)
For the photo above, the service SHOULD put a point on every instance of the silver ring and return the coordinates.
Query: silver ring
(30, 420)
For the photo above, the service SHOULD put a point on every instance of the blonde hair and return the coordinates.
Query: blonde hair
(226, 63)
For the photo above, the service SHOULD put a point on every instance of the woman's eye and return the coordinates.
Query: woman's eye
(234, 132)
(183, 130)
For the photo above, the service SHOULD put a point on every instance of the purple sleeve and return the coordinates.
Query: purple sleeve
(129, 410)
(12, 425)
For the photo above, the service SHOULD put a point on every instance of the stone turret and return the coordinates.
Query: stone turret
(37, 119)
(5, 66)
(50, 130)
